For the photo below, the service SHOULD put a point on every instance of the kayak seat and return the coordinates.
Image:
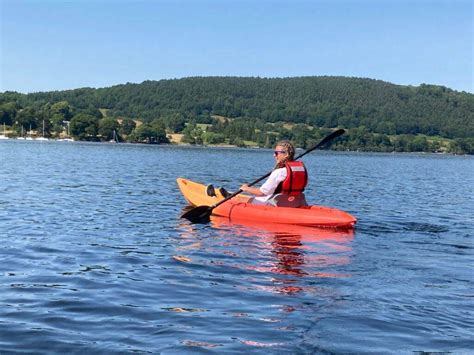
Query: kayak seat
(210, 191)
(223, 192)
(285, 200)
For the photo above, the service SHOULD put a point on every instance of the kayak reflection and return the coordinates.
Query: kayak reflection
(289, 231)
(298, 253)
(290, 256)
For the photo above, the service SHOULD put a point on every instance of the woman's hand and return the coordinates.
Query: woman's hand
(244, 188)
(252, 190)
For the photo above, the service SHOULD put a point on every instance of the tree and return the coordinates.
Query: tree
(127, 126)
(418, 144)
(192, 134)
(299, 135)
(107, 126)
(462, 146)
(239, 142)
(59, 112)
(147, 133)
(84, 127)
(158, 125)
(8, 113)
(400, 143)
(143, 134)
(26, 118)
(62, 108)
(175, 122)
(213, 138)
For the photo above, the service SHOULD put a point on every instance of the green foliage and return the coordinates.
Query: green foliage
(149, 133)
(380, 116)
(8, 113)
(192, 134)
(239, 142)
(84, 127)
(107, 126)
(462, 146)
(143, 134)
(63, 109)
(174, 122)
(26, 118)
(127, 126)
(213, 138)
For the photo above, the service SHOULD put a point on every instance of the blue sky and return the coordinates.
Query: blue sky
(66, 44)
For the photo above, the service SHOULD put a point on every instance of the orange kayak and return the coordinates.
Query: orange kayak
(238, 208)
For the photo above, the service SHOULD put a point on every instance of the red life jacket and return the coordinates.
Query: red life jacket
(296, 179)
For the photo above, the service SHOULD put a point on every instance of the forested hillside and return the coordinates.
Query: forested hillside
(380, 116)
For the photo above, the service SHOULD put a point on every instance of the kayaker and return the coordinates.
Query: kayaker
(285, 185)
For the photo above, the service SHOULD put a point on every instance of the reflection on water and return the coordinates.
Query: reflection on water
(288, 252)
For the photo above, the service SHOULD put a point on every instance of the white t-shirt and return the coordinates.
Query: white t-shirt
(269, 187)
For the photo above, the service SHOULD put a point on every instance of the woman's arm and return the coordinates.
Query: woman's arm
(269, 186)
(253, 190)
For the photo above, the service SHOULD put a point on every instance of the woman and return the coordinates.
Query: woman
(285, 185)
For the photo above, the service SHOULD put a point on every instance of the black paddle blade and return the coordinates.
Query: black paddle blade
(330, 137)
(324, 141)
(200, 214)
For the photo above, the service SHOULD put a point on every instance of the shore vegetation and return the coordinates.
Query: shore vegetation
(252, 112)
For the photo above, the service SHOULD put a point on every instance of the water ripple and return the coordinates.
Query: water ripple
(95, 258)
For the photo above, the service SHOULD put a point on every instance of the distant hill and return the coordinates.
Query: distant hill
(319, 101)
(243, 111)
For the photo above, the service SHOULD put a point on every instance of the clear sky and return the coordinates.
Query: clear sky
(66, 44)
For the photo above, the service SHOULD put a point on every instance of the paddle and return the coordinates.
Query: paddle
(201, 214)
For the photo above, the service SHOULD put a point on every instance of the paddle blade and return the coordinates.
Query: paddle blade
(323, 141)
(200, 214)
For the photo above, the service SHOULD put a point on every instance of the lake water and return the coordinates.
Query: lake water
(96, 259)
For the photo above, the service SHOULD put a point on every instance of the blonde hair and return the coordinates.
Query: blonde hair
(289, 149)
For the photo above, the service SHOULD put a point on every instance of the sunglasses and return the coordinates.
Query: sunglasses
(276, 152)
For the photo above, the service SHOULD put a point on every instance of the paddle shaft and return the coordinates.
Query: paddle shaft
(328, 138)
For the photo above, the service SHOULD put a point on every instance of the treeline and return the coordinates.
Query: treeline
(61, 119)
(244, 132)
(379, 115)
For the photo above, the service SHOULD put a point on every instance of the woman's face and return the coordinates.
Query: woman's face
(279, 153)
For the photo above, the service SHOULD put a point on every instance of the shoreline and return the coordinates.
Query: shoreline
(222, 146)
